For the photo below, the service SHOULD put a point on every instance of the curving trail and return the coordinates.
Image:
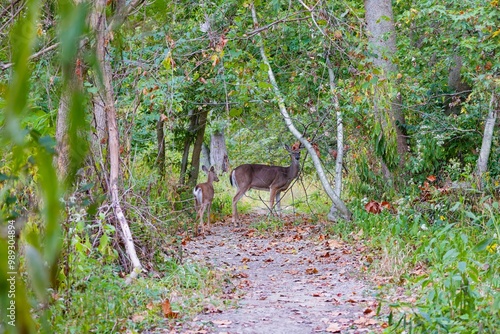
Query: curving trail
(291, 280)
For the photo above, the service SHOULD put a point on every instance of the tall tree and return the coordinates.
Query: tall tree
(382, 40)
(218, 151)
(339, 204)
(489, 126)
(104, 75)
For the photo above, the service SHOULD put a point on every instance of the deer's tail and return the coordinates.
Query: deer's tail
(198, 194)
(232, 179)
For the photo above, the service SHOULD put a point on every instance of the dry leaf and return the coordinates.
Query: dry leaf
(368, 310)
(373, 207)
(311, 271)
(334, 244)
(333, 328)
(167, 310)
(138, 317)
(222, 323)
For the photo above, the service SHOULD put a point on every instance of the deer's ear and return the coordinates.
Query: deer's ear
(296, 146)
(212, 169)
(204, 168)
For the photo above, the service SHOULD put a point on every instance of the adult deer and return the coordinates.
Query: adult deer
(203, 197)
(274, 179)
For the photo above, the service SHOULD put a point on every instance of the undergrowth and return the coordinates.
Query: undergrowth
(444, 250)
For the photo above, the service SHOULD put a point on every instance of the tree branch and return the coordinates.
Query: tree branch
(122, 13)
(339, 204)
(33, 56)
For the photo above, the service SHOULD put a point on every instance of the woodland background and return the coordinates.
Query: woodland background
(109, 109)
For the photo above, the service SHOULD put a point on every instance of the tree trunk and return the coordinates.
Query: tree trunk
(458, 87)
(339, 204)
(382, 38)
(103, 79)
(489, 126)
(340, 139)
(218, 152)
(62, 128)
(340, 129)
(205, 156)
(187, 145)
(160, 137)
(198, 142)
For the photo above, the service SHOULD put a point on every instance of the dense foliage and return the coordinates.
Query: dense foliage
(179, 60)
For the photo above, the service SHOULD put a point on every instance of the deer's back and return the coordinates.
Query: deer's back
(258, 176)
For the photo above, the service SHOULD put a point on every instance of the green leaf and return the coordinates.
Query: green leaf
(450, 255)
(103, 243)
(235, 112)
(482, 245)
(455, 207)
(462, 266)
(37, 272)
(471, 215)
(264, 85)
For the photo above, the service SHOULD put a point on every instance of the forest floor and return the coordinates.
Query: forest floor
(289, 279)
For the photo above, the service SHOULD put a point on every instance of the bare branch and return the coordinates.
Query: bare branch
(283, 20)
(122, 13)
(33, 56)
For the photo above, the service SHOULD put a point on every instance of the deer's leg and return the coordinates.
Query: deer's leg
(236, 198)
(278, 202)
(272, 195)
(202, 211)
(208, 215)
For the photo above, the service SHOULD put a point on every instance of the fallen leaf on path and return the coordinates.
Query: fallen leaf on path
(333, 243)
(365, 321)
(222, 323)
(367, 311)
(311, 271)
(325, 254)
(333, 328)
(241, 275)
(211, 309)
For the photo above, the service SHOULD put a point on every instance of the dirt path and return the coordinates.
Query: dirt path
(294, 280)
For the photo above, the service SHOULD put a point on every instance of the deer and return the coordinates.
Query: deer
(274, 179)
(203, 197)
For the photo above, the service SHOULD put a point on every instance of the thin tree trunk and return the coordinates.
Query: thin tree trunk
(187, 145)
(205, 156)
(489, 126)
(195, 158)
(62, 129)
(340, 139)
(382, 38)
(106, 90)
(160, 137)
(339, 204)
(340, 129)
(218, 151)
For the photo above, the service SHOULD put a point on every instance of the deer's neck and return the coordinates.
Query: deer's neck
(293, 169)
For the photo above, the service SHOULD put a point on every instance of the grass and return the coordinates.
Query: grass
(446, 258)
(102, 303)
